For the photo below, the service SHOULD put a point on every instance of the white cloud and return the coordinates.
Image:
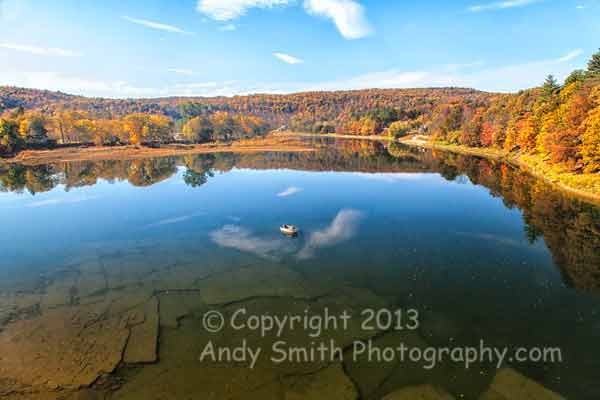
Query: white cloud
(40, 51)
(239, 238)
(502, 5)
(226, 10)
(342, 228)
(156, 25)
(571, 56)
(75, 85)
(347, 15)
(289, 191)
(181, 71)
(286, 58)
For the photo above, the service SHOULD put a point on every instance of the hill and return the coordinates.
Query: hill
(277, 109)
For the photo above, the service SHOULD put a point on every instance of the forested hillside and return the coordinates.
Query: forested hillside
(31, 116)
(300, 110)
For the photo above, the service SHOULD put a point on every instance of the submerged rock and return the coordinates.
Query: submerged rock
(508, 384)
(60, 292)
(64, 348)
(251, 282)
(328, 383)
(376, 376)
(14, 306)
(175, 305)
(181, 373)
(143, 339)
(424, 392)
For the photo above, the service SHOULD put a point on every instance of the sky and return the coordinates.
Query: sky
(157, 48)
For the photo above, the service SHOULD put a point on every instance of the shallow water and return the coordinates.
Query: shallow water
(114, 264)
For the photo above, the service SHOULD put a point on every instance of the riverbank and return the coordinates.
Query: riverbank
(585, 186)
(129, 152)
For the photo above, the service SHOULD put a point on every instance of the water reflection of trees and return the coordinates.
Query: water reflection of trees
(16, 178)
(570, 228)
(43, 178)
(198, 170)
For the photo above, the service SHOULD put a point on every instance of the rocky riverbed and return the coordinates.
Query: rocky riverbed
(106, 324)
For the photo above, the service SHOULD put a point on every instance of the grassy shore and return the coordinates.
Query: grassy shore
(270, 143)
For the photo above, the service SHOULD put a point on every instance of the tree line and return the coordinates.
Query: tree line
(20, 129)
(559, 123)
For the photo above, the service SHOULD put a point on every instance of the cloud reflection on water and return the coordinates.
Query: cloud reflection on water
(242, 239)
(289, 191)
(343, 227)
(175, 220)
(65, 200)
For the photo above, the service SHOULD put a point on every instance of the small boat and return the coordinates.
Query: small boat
(289, 230)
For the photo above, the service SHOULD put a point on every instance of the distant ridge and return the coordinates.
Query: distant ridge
(276, 108)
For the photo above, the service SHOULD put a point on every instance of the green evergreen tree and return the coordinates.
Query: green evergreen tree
(10, 141)
(576, 76)
(550, 86)
(594, 64)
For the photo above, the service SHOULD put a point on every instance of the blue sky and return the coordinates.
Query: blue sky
(225, 47)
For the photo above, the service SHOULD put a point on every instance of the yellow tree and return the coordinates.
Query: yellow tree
(63, 124)
(134, 125)
(368, 126)
(590, 148)
(526, 131)
(107, 132)
(159, 129)
(85, 130)
(399, 128)
(510, 141)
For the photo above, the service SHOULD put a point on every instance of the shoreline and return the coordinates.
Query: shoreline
(289, 134)
(130, 152)
(284, 142)
(527, 163)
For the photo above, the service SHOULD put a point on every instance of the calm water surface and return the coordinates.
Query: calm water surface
(118, 261)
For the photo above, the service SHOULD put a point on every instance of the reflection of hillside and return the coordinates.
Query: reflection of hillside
(346, 156)
(570, 228)
(150, 172)
(43, 178)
